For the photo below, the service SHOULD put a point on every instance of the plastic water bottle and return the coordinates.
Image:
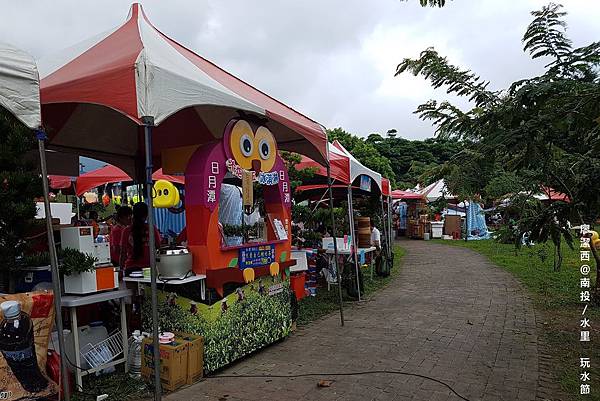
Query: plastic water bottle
(134, 357)
(18, 347)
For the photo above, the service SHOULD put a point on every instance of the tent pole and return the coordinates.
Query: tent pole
(64, 374)
(354, 242)
(390, 231)
(384, 225)
(335, 249)
(76, 200)
(148, 124)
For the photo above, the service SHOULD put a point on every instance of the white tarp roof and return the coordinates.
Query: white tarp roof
(435, 191)
(356, 168)
(19, 85)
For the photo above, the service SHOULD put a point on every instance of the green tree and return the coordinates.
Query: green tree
(541, 132)
(364, 152)
(19, 185)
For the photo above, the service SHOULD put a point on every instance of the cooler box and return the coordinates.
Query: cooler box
(101, 279)
(437, 228)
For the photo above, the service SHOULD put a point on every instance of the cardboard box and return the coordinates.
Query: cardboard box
(173, 363)
(195, 365)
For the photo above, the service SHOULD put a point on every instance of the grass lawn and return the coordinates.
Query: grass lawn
(326, 302)
(556, 298)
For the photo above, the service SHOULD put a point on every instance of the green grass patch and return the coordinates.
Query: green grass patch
(326, 302)
(118, 386)
(556, 298)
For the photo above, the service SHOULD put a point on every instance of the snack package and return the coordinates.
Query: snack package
(26, 321)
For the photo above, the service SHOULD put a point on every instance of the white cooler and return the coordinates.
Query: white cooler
(437, 228)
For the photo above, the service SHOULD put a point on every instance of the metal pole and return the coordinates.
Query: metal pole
(148, 124)
(466, 221)
(385, 230)
(390, 220)
(64, 374)
(76, 200)
(354, 242)
(335, 249)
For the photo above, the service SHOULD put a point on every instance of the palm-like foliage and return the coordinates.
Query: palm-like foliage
(545, 36)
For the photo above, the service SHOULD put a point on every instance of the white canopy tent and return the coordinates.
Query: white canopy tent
(356, 168)
(435, 191)
(19, 85)
(20, 95)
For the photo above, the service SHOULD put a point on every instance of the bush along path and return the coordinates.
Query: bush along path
(555, 297)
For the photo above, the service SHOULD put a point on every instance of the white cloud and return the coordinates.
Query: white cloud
(333, 60)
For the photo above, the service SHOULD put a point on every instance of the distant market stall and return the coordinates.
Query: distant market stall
(348, 172)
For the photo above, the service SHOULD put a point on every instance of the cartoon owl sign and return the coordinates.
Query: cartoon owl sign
(245, 147)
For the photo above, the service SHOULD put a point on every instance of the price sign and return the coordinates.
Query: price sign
(256, 256)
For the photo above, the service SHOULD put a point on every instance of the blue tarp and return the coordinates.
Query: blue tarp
(167, 221)
(403, 214)
(476, 226)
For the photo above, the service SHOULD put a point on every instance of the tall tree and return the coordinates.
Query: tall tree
(539, 132)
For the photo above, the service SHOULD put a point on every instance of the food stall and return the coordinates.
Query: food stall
(153, 99)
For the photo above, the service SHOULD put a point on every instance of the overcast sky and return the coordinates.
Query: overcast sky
(333, 60)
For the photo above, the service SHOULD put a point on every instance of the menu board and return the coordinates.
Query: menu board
(256, 256)
(280, 231)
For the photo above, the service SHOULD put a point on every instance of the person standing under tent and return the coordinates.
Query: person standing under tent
(123, 220)
(135, 252)
(376, 242)
(375, 237)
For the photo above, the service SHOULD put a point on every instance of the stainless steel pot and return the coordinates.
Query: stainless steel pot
(174, 262)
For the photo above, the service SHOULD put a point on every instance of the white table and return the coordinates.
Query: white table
(346, 251)
(71, 302)
(173, 281)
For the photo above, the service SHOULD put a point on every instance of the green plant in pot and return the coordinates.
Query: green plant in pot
(36, 260)
(76, 262)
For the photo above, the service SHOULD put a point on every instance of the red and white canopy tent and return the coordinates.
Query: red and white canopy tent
(95, 96)
(346, 170)
(339, 165)
(132, 93)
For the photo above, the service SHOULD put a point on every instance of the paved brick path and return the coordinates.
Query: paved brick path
(450, 315)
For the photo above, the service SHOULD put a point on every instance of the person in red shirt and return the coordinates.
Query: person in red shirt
(116, 233)
(135, 253)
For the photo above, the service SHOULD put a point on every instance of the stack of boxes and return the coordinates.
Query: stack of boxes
(181, 362)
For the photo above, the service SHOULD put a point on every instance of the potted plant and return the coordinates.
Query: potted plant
(36, 260)
(82, 277)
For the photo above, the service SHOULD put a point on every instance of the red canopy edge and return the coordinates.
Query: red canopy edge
(111, 174)
(60, 181)
(399, 194)
(385, 187)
